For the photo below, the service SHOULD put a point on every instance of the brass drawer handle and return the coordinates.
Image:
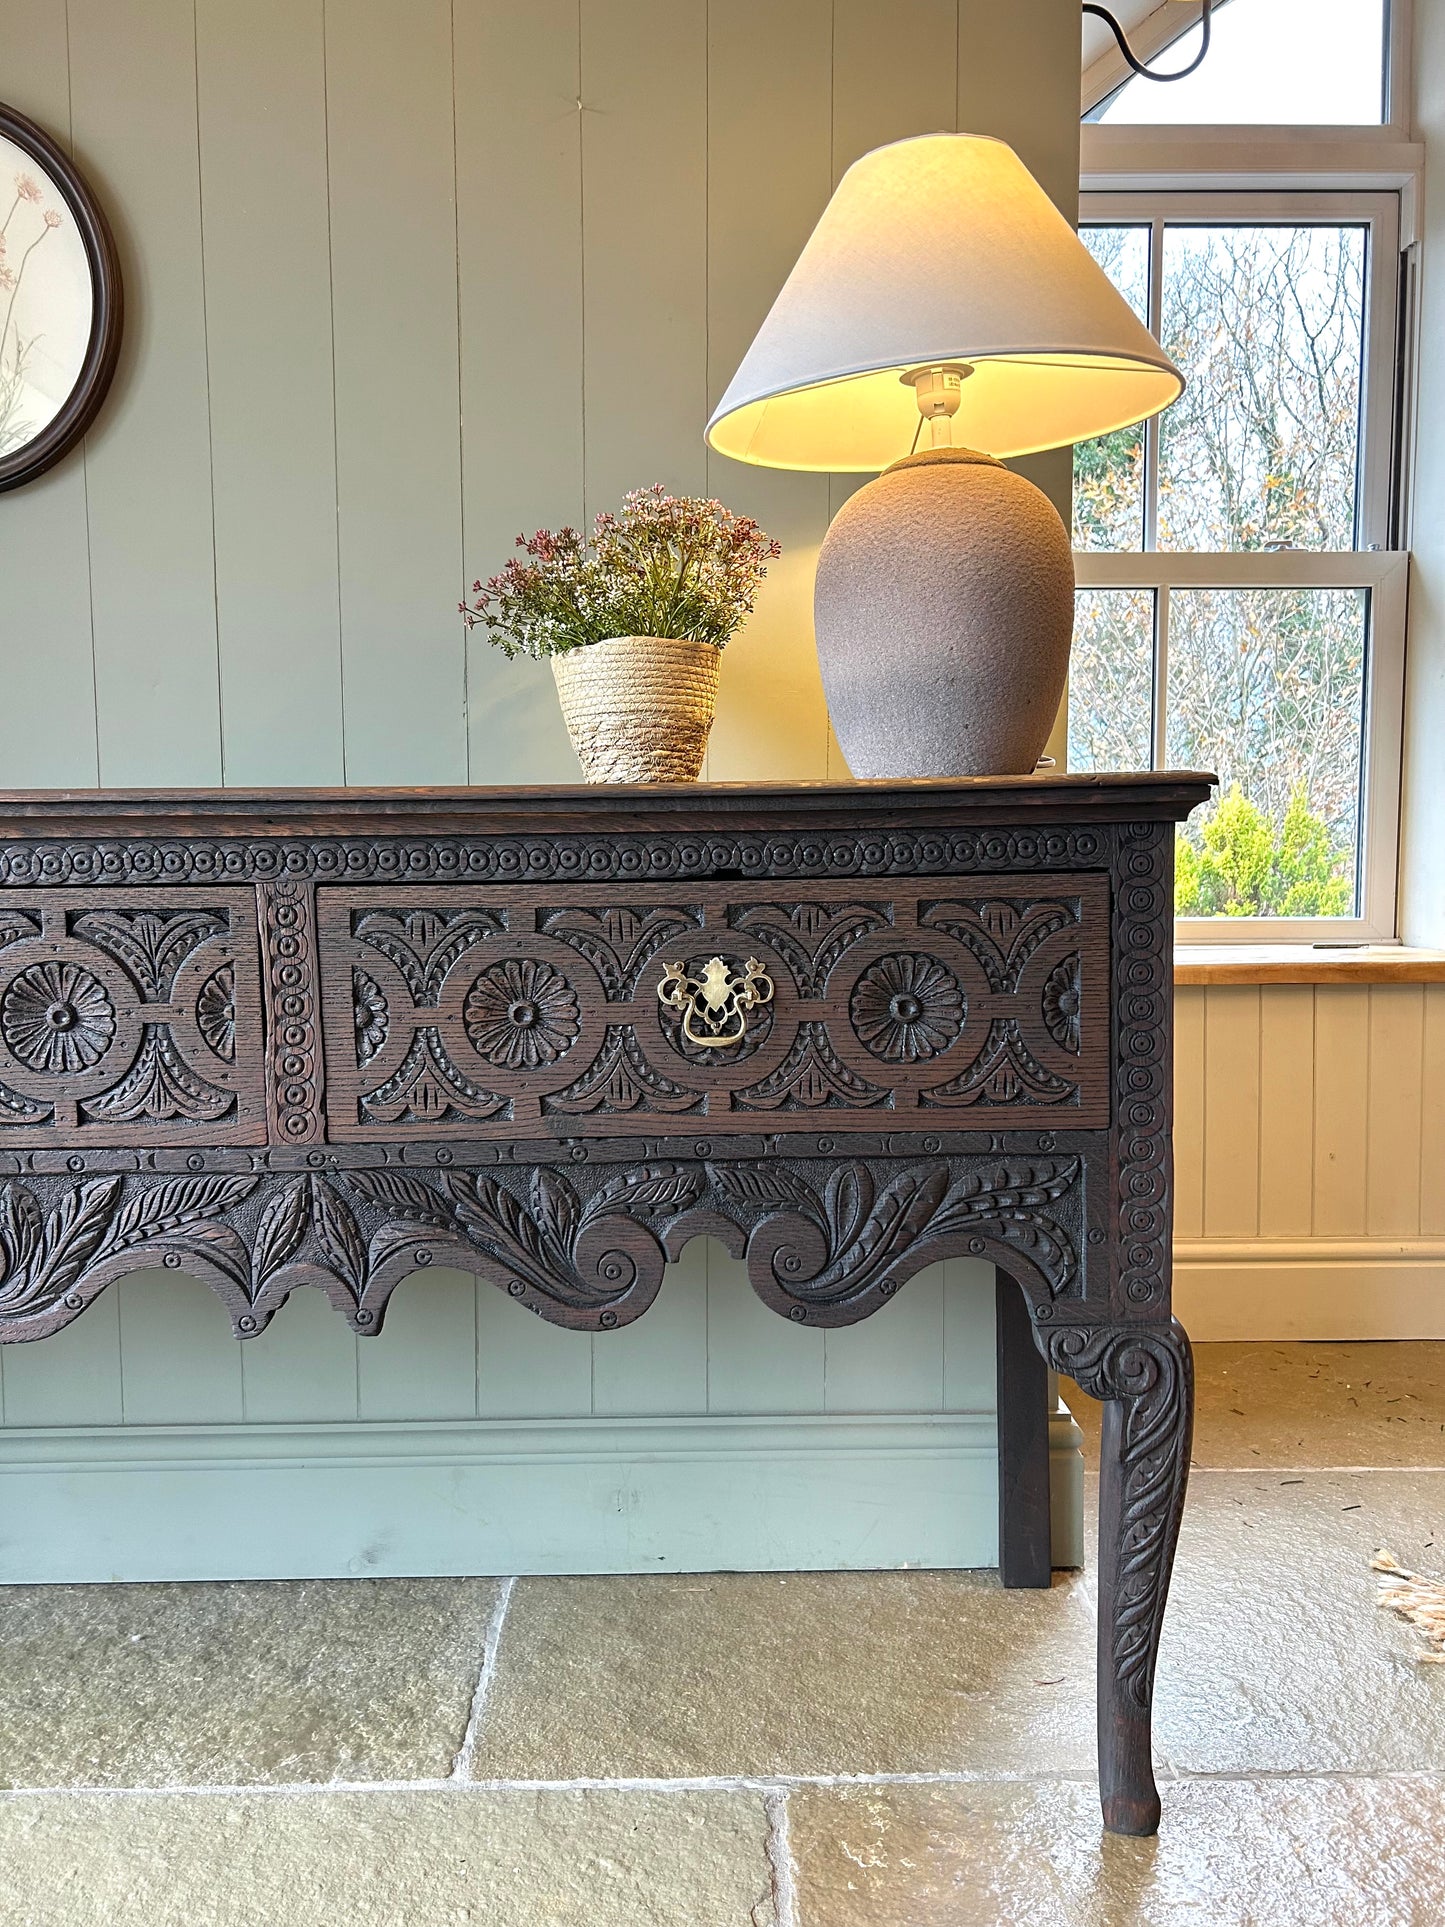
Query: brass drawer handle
(715, 1006)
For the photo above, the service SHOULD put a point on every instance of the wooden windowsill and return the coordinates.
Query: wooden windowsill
(1301, 963)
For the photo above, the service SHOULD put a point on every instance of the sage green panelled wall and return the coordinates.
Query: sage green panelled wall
(402, 281)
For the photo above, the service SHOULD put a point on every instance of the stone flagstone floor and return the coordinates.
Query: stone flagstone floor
(816, 1750)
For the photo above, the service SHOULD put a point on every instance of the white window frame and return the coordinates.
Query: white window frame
(1171, 20)
(1369, 567)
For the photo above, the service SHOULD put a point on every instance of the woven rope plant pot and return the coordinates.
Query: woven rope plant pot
(639, 708)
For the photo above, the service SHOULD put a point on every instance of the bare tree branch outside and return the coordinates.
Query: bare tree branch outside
(1261, 452)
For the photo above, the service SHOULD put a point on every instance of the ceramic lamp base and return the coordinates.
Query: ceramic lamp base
(944, 609)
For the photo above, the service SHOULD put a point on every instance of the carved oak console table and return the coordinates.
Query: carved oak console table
(326, 1038)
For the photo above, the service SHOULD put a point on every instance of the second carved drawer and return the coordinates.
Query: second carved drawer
(940, 1002)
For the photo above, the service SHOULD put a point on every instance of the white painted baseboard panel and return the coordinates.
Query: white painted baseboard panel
(127, 1503)
(1321, 1288)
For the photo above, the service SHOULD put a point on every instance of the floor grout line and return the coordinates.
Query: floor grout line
(767, 1784)
(780, 1859)
(462, 1764)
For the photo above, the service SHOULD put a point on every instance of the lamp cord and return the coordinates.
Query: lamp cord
(1148, 73)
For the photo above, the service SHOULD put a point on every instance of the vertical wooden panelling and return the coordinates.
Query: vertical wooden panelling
(179, 1363)
(644, 245)
(1033, 105)
(525, 1367)
(1342, 1056)
(44, 551)
(423, 1362)
(1189, 1114)
(148, 468)
(892, 77)
(261, 76)
(1231, 1103)
(1397, 1032)
(756, 1361)
(400, 276)
(893, 1362)
(886, 86)
(969, 1348)
(769, 153)
(519, 258)
(659, 1364)
(398, 411)
(73, 1378)
(1286, 1110)
(1031, 102)
(1432, 1117)
(302, 1368)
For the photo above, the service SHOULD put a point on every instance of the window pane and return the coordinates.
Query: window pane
(1292, 61)
(1111, 679)
(1267, 324)
(1109, 471)
(1266, 687)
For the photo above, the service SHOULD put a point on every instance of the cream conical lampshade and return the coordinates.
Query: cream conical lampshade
(934, 250)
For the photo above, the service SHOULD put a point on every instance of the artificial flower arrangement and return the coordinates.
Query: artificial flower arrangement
(633, 621)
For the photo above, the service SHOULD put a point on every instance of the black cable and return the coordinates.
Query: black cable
(1148, 73)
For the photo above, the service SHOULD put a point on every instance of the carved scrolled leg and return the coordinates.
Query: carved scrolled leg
(1145, 1376)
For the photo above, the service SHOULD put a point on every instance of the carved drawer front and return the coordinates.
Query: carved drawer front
(948, 1003)
(131, 1017)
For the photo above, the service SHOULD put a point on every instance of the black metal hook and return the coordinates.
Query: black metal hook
(1148, 73)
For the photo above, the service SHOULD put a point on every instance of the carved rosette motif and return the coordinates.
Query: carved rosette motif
(118, 1016)
(521, 1014)
(216, 1012)
(907, 1007)
(372, 1016)
(57, 1018)
(1062, 1002)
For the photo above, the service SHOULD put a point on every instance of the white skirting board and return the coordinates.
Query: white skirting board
(111, 1503)
(1320, 1288)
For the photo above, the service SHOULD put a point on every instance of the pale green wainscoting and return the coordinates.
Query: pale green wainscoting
(401, 280)
(145, 1443)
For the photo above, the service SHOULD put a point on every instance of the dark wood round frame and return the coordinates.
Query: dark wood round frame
(58, 436)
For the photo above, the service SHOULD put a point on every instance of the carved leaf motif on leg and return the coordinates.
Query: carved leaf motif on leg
(1149, 1370)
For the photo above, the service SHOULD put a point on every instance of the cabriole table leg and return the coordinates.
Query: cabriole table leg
(1145, 1376)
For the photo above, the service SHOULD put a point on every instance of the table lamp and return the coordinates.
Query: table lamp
(943, 315)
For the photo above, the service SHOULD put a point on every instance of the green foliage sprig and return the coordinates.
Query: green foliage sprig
(1242, 867)
(668, 565)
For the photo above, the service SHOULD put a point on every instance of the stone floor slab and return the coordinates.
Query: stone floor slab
(1377, 1404)
(732, 1673)
(358, 1679)
(1275, 1657)
(595, 1859)
(1236, 1853)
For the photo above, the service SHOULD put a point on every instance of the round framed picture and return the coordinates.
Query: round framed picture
(60, 302)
